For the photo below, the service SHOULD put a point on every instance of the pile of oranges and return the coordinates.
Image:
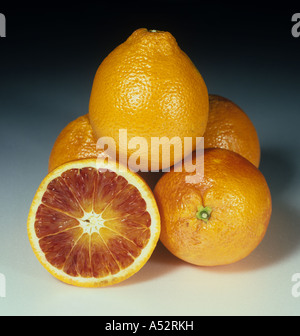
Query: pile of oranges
(94, 224)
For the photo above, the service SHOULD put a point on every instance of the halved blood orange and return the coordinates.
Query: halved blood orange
(93, 226)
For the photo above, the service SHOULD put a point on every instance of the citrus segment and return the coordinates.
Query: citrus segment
(81, 184)
(123, 250)
(78, 261)
(59, 196)
(130, 203)
(107, 186)
(102, 260)
(50, 221)
(93, 227)
(57, 247)
(132, 228)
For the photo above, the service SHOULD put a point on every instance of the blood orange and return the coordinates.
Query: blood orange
(220, 219)
(93, 226)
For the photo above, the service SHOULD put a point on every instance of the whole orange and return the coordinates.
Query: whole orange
(219, 220)
(229, 127)
(76, 141)
(149, 87)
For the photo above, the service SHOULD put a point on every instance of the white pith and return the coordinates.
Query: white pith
(91, 222)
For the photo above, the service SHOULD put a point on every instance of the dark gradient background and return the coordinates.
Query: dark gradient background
(47, 64)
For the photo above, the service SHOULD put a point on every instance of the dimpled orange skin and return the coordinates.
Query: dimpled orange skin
(240, 202)
(229, 127)
(76, 141)
(151, 88)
